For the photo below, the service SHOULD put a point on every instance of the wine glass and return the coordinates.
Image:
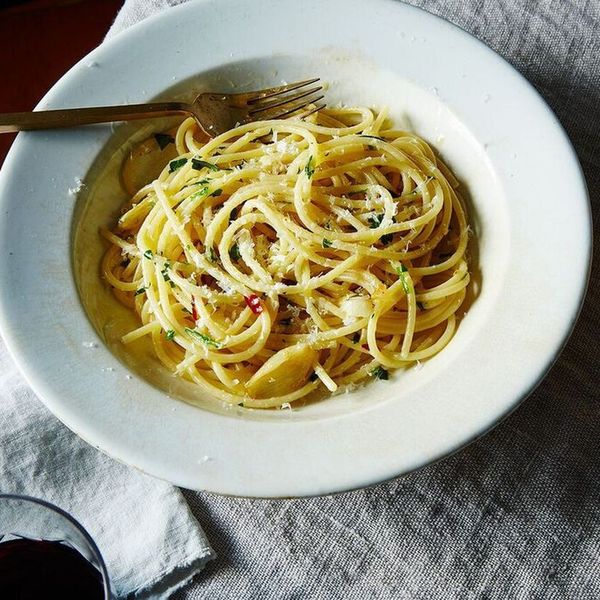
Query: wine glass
(43, 546)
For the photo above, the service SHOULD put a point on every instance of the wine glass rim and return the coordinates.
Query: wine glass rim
(88, 538)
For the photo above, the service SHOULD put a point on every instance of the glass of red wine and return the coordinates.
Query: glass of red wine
(46, 553)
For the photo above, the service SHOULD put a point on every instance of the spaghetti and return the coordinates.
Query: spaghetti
(286, 256)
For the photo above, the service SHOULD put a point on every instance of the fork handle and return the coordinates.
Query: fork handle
(71, 117)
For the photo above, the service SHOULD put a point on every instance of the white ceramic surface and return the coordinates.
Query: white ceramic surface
(490, 125)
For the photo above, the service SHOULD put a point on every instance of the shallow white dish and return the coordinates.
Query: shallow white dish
(490, 125)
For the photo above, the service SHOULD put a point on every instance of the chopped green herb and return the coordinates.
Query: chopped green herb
(199, 193)
(380, 373)
(373, 137)
(217, 192)
(200, 182)
(421, 306)
(140, 291)
(170, 334)
(234, 253)
(404, 277)
(309, 169)
(375, 221)
(327, 243)
(313, 376)
(212, 255)
(386, 239)
(205, 339)
(234, 213)
(149, 254)
(176, 164)
(163, 140)
(165, 274)
(198, 165)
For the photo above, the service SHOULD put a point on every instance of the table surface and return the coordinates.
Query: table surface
(33, 58)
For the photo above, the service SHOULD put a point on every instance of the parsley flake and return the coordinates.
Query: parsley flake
(375, 221)
(212, 255)
(234, 253)
(176, 164)
(205, 339)
(170, 334)
(149, 254)
(198, 165)
(199, 193)
(309, 169)
(327, 243)
(380, 373)
(404, 277)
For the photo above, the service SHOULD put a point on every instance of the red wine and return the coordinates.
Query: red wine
(31, 569)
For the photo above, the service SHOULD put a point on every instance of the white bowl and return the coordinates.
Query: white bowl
(529, 210)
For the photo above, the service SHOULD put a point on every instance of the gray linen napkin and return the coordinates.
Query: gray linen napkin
(149, 540)
(515, 515)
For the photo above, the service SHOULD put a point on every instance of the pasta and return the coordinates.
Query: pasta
(286, 257)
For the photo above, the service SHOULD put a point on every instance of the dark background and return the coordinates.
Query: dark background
(40, 40)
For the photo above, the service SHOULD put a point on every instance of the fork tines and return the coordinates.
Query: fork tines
(279, 102)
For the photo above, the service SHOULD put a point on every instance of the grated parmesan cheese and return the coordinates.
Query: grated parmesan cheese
(79, 185)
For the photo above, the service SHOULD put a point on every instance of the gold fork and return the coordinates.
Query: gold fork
(214, 113)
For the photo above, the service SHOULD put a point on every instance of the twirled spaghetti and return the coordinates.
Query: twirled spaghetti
(283, 256)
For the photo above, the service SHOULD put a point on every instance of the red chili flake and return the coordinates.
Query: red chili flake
(365, 346)
(194, 309)
(253, 302)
